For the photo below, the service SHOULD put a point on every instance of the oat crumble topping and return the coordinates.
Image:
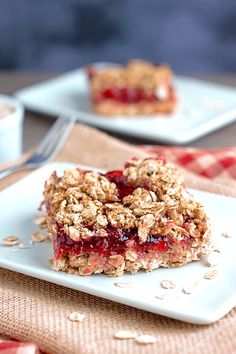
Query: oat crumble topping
(137, 73)
(83, 199)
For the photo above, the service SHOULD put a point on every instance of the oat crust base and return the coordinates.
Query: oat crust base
(111, 108)
(116, 265)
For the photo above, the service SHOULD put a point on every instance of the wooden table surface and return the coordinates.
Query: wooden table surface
(36, 125)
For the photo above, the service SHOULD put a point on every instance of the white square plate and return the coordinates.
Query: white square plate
(211, 300)
(203, 107)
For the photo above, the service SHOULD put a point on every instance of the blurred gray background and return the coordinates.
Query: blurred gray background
(193, 36)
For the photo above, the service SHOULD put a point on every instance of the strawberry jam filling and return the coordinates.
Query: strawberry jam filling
(117, 242)
(122, 185)
(127, 95)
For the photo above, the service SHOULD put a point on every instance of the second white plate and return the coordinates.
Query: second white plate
(203, 108)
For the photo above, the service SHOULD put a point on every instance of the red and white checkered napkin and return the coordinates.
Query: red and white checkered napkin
(8, 346)
(220, 163)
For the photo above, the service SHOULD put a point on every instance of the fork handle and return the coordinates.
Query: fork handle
(8, 171)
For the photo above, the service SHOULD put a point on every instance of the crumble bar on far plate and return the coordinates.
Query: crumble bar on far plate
(139, 88)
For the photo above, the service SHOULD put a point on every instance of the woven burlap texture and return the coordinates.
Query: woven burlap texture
(35, 310)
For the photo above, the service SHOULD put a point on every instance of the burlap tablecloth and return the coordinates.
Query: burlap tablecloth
(36, 311)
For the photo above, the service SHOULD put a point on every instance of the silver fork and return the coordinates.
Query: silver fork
(48, 148)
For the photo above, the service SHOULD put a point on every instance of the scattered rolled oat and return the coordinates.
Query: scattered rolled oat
(226, 235)
(38, 237)
(123, 334)
(76, 317)
(41, 221)
(212, 274)
(161, 296)
(190, 289)
(123, 285)
(212, 259)
(23, 246)
(216, 248)
(145, 339)
(11, 241)
(167, 284)
(48, 237)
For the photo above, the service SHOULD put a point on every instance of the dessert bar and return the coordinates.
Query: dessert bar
(139, 88)
(141, 217)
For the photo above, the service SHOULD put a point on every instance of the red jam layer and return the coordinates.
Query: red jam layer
(122, 185)
(117, 242)
(126, 95)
